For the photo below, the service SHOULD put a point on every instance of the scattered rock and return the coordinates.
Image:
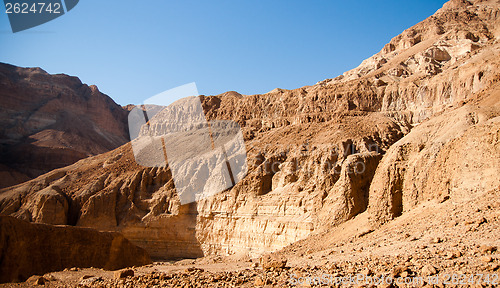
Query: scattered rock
(437, 240)
(124, 273)
(486, 259)
(367, 272)
(86, 277)
(428, 270)
(50, 277)
(396, 271)
(90, 281)
(272, 261)
(258, 281)
(487, 249)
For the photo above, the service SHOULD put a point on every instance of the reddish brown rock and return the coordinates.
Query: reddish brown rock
(124, 273)
(29, 249)
(50, 121)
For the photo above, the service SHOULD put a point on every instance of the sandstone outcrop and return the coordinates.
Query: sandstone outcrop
(28, 249)
(451, 156)
(50, 121)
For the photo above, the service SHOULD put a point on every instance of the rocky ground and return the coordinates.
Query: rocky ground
(436, 244)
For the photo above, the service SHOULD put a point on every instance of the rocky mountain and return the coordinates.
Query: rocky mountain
(418, 123)
(51, 121)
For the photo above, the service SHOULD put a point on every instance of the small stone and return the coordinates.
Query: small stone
(398, 270)
(50, 277)
(428, 270)
(258, 281)
(73, 269)
(486, 259)
(481, 220)
(367, 272)
(437, 240)
(453, 255)
(86, 277)
(124, 273)
(487, 249)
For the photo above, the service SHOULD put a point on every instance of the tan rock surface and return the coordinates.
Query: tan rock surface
(452, 156)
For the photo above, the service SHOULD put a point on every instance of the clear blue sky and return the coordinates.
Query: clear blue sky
(133, 50)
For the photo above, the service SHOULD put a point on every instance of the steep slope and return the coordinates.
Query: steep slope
(313, 152)
(50, 121)
(452, 156)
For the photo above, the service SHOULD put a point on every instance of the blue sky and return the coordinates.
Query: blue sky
(133, 50)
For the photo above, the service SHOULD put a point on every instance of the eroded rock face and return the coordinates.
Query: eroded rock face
(452, 156)
(349, 196)
(50, 121)
(317, 156)
(277, 203)
(50, 206)
(29, 249)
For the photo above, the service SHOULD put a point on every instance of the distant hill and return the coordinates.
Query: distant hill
(51, 121)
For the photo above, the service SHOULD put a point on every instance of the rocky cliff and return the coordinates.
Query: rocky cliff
(415, 122)
(34, 249)
(51, 121)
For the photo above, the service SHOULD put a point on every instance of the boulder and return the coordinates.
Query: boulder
(124, 273)
(274, 261)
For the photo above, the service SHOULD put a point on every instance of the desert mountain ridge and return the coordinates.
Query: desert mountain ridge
(51, 121)
(390, 168)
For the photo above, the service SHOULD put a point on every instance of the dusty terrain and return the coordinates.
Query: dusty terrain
(390, 169)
